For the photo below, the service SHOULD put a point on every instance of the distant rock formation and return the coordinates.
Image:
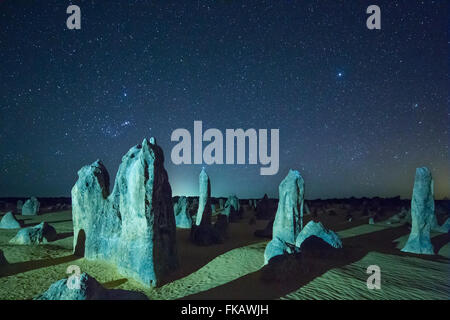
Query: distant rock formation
(31, 207)
(422, 214)
(203, 216)
(40, 234)
(19, 205)
(203, 232)
(264, 209)
(9, 221)
(233, 209)
(289, 217)
(87, 289)
(318, 230)
(134, 226)
(182, 218)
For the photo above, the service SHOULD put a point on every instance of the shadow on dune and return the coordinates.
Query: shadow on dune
(440, 241)
(114, 284)
(354, 249)
(20, 267)
(193, 257)
(63, 235)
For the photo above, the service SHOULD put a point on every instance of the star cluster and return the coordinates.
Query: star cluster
(358, 110)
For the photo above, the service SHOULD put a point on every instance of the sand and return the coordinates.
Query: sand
(232, 270)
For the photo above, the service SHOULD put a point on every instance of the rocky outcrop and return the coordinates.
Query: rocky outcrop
(40, 234)
(31, 207)
(203, 216)
(203, 233)
(289, 217)
(422, 214)
(87, 288)
(182, 218)
(133, 227)
(233, 209)
(9, 221)
(318, 230)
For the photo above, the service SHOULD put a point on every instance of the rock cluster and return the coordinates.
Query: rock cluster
(132, 227)
(288, 232)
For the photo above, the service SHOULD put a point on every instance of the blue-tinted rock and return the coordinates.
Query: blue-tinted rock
(31, 207)
(422, 214)
(40, 234)
(89, 289)
(182, 218)
(289, 217)
(317, 229)
(9, 221)
(134, 226)
(203, 216)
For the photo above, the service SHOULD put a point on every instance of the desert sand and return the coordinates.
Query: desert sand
(232, 270)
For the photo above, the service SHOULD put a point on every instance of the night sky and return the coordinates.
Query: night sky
(358, 110)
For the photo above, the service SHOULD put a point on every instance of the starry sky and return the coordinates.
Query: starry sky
(358, 110)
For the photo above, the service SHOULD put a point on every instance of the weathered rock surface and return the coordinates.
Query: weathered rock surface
(182, 218)
(40, 234)
(289, 217)
(203, 216)
(317, 229)
(422, 214)
(31, 207)
(134, 226)
(203, 232)
(89, 289)
(9, 221)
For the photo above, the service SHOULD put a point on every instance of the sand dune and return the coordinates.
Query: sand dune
(232, 270)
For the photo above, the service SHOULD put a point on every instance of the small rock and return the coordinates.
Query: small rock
(9, 222)
(42, 233)
(31, 207)
(89, 289)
